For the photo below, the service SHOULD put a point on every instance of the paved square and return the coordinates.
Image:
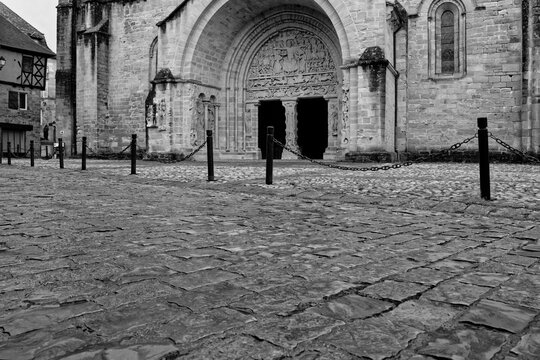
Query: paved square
(400, 264)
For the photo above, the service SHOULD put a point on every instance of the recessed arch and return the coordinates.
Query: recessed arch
(247, 46)
(427, 5)
(212, 12)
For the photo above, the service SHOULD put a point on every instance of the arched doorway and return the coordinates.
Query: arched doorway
(296, 67)
(271, 113)
(312, 127)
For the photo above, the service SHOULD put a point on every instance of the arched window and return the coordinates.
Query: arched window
(448, 61)
(153, 59)
(447, 52)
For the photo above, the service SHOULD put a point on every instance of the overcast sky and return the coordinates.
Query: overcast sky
(41, 14)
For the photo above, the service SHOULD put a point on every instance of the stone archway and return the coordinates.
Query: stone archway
(223, 63)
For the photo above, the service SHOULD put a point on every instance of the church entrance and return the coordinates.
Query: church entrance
(312, 127)
(271, 113)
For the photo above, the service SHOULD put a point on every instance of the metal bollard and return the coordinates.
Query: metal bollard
(483, 152)
(210, 154)
(269, 155)
(9, 153)
(32, 153)
(83, 154)
(18, 148)
(61, 152)
(134, 154)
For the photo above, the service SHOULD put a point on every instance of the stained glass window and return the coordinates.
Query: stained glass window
(447, 43)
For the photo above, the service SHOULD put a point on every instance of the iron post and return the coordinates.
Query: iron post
(134, 154)
(61, 152)
(483, 155)
(32, 153)
(9, 153)
(210, 154)
(269, 155)
(83, 153)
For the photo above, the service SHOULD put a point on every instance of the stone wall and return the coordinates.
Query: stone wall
(66, 117)
(30, 116)
(198, 46)
(530, 135)
(441, 112)
(132, 27)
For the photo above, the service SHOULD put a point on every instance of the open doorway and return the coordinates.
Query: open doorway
(271, 113)
(312, 127)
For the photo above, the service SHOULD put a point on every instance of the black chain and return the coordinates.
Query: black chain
(340, 167)
(186, 157)
(514, 150)
(439, 154)
(385, 167)
(127, 147)
(109, 156)
(19, 157)
(92, 150)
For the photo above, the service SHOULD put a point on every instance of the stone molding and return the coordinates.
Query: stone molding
(468, 5)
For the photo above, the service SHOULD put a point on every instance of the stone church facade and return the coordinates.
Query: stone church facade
(336, 78)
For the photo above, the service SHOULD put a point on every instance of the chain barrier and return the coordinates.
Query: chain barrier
(19, 157)
(514, 150)
(432, 156)
(341, 167)
(92, 150)
(110, 156)
(439, 155)
(127, 147)
(170, 161)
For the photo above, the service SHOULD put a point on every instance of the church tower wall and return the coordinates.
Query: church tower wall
(404, 75)
(442, 108)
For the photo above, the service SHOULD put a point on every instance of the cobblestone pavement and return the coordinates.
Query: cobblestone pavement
(399, 264)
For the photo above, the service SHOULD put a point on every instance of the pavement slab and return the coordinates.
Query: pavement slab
(529, 345)
(289, 332)
(394, 290)
(499, 315)
(522, 289)
(464, 344)
(423, 315)
(323, 264)
(375, 339)
(454, 292)
(352, 307)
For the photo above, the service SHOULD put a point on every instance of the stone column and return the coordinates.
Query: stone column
(216, 125)
(332, 149)
(291, 122)
(206, 103)
(255, 119)
(252, 126)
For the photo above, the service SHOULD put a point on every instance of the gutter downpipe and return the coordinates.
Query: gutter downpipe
(396, 77)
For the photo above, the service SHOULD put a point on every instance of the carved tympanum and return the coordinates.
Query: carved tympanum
(290, 64)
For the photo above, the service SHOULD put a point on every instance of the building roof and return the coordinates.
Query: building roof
(16, 33)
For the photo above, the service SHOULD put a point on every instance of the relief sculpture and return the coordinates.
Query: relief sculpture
(291, 139)
(161, 114)
(151, 110)
(211, 117)
(333, 118)
(290, 64)
(345, 117)
(198, 131)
